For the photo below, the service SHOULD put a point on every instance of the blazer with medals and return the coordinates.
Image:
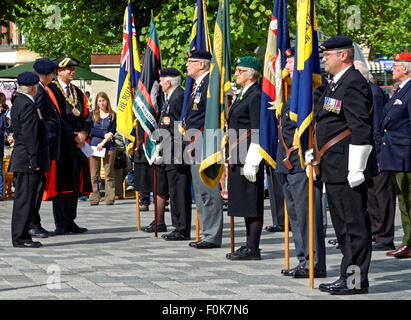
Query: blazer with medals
(196, 106)
(51, 119)
(171, 114)
(31, 148)
(394, 150)
(347, 105)
(69, 152)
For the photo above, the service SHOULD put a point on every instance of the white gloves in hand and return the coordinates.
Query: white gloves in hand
(252, 161)
(357, 161)
(309, 158)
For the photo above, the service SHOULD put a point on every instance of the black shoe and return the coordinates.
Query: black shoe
(275, 228)
(290, 272)
(244, 253)
(339, 287)
(174, 236)
(27, 244)
(39, 232)
(61, 231)
(378, 246)
(204, 245)
(150, 228)
(333, 242)
(304, 273)
(76, 229)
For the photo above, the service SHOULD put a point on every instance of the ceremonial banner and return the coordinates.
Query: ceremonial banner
(307, 74)
(128, 77)
(147, 100)
(273, 93)
(212, 165)
(200, 40)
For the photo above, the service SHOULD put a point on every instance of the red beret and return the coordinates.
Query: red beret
(402, 57)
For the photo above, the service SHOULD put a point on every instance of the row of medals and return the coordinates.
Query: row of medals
(70, 100)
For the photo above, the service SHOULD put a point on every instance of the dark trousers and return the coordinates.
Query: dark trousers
(180, 199)
(381, 207)
(296, 194)
(65, 209)
(348, 210)
(276, 193)
(35, 221)
(144, 198)
(27, 190)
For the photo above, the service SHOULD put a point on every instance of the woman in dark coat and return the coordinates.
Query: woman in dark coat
(246, 182)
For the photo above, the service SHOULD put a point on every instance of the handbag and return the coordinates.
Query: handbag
(120, 161)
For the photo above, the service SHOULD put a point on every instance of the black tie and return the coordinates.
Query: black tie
(68, 91)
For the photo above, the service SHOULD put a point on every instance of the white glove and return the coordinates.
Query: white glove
(357, 161)
(308, 173)
(252, 161)
(309, 156)
(232, 90)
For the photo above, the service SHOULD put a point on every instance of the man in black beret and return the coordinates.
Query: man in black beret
(45, 68)
(72, 171)
(342, 144)
(178, 177)
(208, 201)
(29, 160)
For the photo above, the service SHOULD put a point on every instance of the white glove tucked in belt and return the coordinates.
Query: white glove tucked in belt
(309, 158)
(157, 158)
(357, 161)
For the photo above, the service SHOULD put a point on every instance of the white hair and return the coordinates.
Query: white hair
(24, 89)
(253, 73)
(406, 64)
(362, 68)
(175, 81)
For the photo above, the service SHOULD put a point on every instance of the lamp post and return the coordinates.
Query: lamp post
(338, 18)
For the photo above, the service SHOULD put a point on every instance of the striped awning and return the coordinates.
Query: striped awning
(376, 67)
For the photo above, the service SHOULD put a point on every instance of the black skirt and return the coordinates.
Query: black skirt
(245, 198)
(144, 178)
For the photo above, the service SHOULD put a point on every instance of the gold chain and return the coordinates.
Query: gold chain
(70, 99)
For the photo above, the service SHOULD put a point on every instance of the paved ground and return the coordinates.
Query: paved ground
(114, 261)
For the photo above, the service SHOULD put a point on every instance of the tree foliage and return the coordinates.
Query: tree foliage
(91, 26)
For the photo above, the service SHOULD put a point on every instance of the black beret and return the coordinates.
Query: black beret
(289, 53)
(44, 66)
(66, 62)
(170, 72)
(337, 42)
(199, 54)
(28, 79)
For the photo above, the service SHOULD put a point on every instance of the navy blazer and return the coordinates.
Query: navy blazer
(395, 130)
(195, 112)
(31, 149)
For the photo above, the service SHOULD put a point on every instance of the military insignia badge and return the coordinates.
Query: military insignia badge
(39, 113)
(332, 105)
(195, 107)
(197, 98)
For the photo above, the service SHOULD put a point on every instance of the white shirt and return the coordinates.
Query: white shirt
(64, 86)
(169, 94)
(30, 97)
(340, 74)
(402, 85)
(246, 88)
(200, 78)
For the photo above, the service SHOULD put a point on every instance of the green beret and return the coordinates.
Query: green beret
(249, 62)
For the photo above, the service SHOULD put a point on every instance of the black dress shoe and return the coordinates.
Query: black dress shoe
(60, 231)
(76, 229)
(193, 243)
(204, 245)
(275, 228)
(339, 287)
(150, 227)
(244, 253)
(27, 244)
(39, 232)
(304, 273)
(174, 236)
(378, 246)
(290, 272)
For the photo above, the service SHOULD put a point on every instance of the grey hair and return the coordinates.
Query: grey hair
(406, 64)
(253, 73)
(362, 68)
(175, 81)
(24, 89)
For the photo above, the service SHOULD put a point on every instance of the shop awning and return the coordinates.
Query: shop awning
(376, 67)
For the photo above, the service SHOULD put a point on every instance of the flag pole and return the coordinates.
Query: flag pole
(138, 210)
(286, 238)
(197, 226)
(155, 201)
(232, 233)
(311, 212)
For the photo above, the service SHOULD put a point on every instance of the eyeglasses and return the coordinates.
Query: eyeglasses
(192, 61)
(396, 66)
(326, 54)
(240, 71)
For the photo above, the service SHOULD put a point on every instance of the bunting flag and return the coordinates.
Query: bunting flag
(128, 78)
(148, 97)
(212, 164)
(200, 40)
(274, 88)
(307, 73)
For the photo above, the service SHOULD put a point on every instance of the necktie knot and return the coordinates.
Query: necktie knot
(68, 90)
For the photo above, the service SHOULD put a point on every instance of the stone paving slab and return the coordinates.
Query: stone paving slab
(113, 261)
